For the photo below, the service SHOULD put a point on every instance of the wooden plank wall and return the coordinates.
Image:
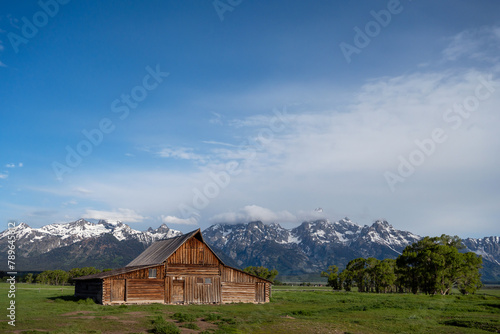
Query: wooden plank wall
(237, 276)
(168, 289)
(202, 293)
(106, 290)
(142, 274)
(199, 270)
(237, 292)
(194, 252)
(240, 287)
(145, 290)
(118, 290)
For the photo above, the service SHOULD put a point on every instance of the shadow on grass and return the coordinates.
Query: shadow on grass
(492, 305)
(489, 326)
(67, 298)
(72, 298)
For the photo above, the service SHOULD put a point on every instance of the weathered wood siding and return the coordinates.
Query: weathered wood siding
(198, 270)
(111, 292)
(89, 289)
(198, 291)
(238, 276)
(118, 290)
(194, 252)
(145, 290)
(240, 287)
(237, 292)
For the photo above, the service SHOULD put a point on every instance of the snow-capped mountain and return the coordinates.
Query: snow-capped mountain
(308, 248)
(44, 248)
(48, 237)
(313, 246)
(488, 248)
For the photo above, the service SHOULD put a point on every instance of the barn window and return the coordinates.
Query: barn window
(152, 273)
(208, 281)
(199, 280)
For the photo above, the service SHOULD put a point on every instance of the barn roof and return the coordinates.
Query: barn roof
(113, 272)
(161, 250)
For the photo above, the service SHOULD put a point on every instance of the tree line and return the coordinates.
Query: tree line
(262, 272)
(431, 266)
(59, 277)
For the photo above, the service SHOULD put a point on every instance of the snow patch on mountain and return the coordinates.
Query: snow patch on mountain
(49, 237)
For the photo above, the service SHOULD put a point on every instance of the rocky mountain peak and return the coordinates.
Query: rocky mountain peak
(310, 247)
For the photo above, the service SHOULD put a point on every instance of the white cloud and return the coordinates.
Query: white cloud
(123, 215)
(311, 215)
(182, 153)
(179, 221)
(253, 213)
(82, 191)
(213, 142)
(4, 175)
(477, 44)
(217, 119)
(12, 165)
(71, 202)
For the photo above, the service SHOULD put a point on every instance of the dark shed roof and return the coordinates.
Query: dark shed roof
(113, 272)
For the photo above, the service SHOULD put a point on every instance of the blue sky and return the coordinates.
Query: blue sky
(197, 112)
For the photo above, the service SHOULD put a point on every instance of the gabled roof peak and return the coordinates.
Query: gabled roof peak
(161, 250)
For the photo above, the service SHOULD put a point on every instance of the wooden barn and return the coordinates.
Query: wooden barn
(180, 270)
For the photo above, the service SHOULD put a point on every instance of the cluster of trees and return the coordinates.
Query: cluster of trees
(262, 272)
(431, 265)
(59, 277)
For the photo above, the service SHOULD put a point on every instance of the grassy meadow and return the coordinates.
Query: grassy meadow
(292, 310)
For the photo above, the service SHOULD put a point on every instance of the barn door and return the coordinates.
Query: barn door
(118, 290)
(260, 292)
(178, 291)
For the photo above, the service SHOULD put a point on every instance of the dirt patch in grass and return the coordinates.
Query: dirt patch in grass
(204, 325)
(83, 317)
(136, 313)
(77, 312)
(303, 327)
(127, 322)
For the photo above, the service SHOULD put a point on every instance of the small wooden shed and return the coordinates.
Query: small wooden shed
(179, 270)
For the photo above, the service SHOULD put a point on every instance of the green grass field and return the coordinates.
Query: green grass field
(292, 310)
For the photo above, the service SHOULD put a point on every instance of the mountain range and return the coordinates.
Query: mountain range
(308, 248)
